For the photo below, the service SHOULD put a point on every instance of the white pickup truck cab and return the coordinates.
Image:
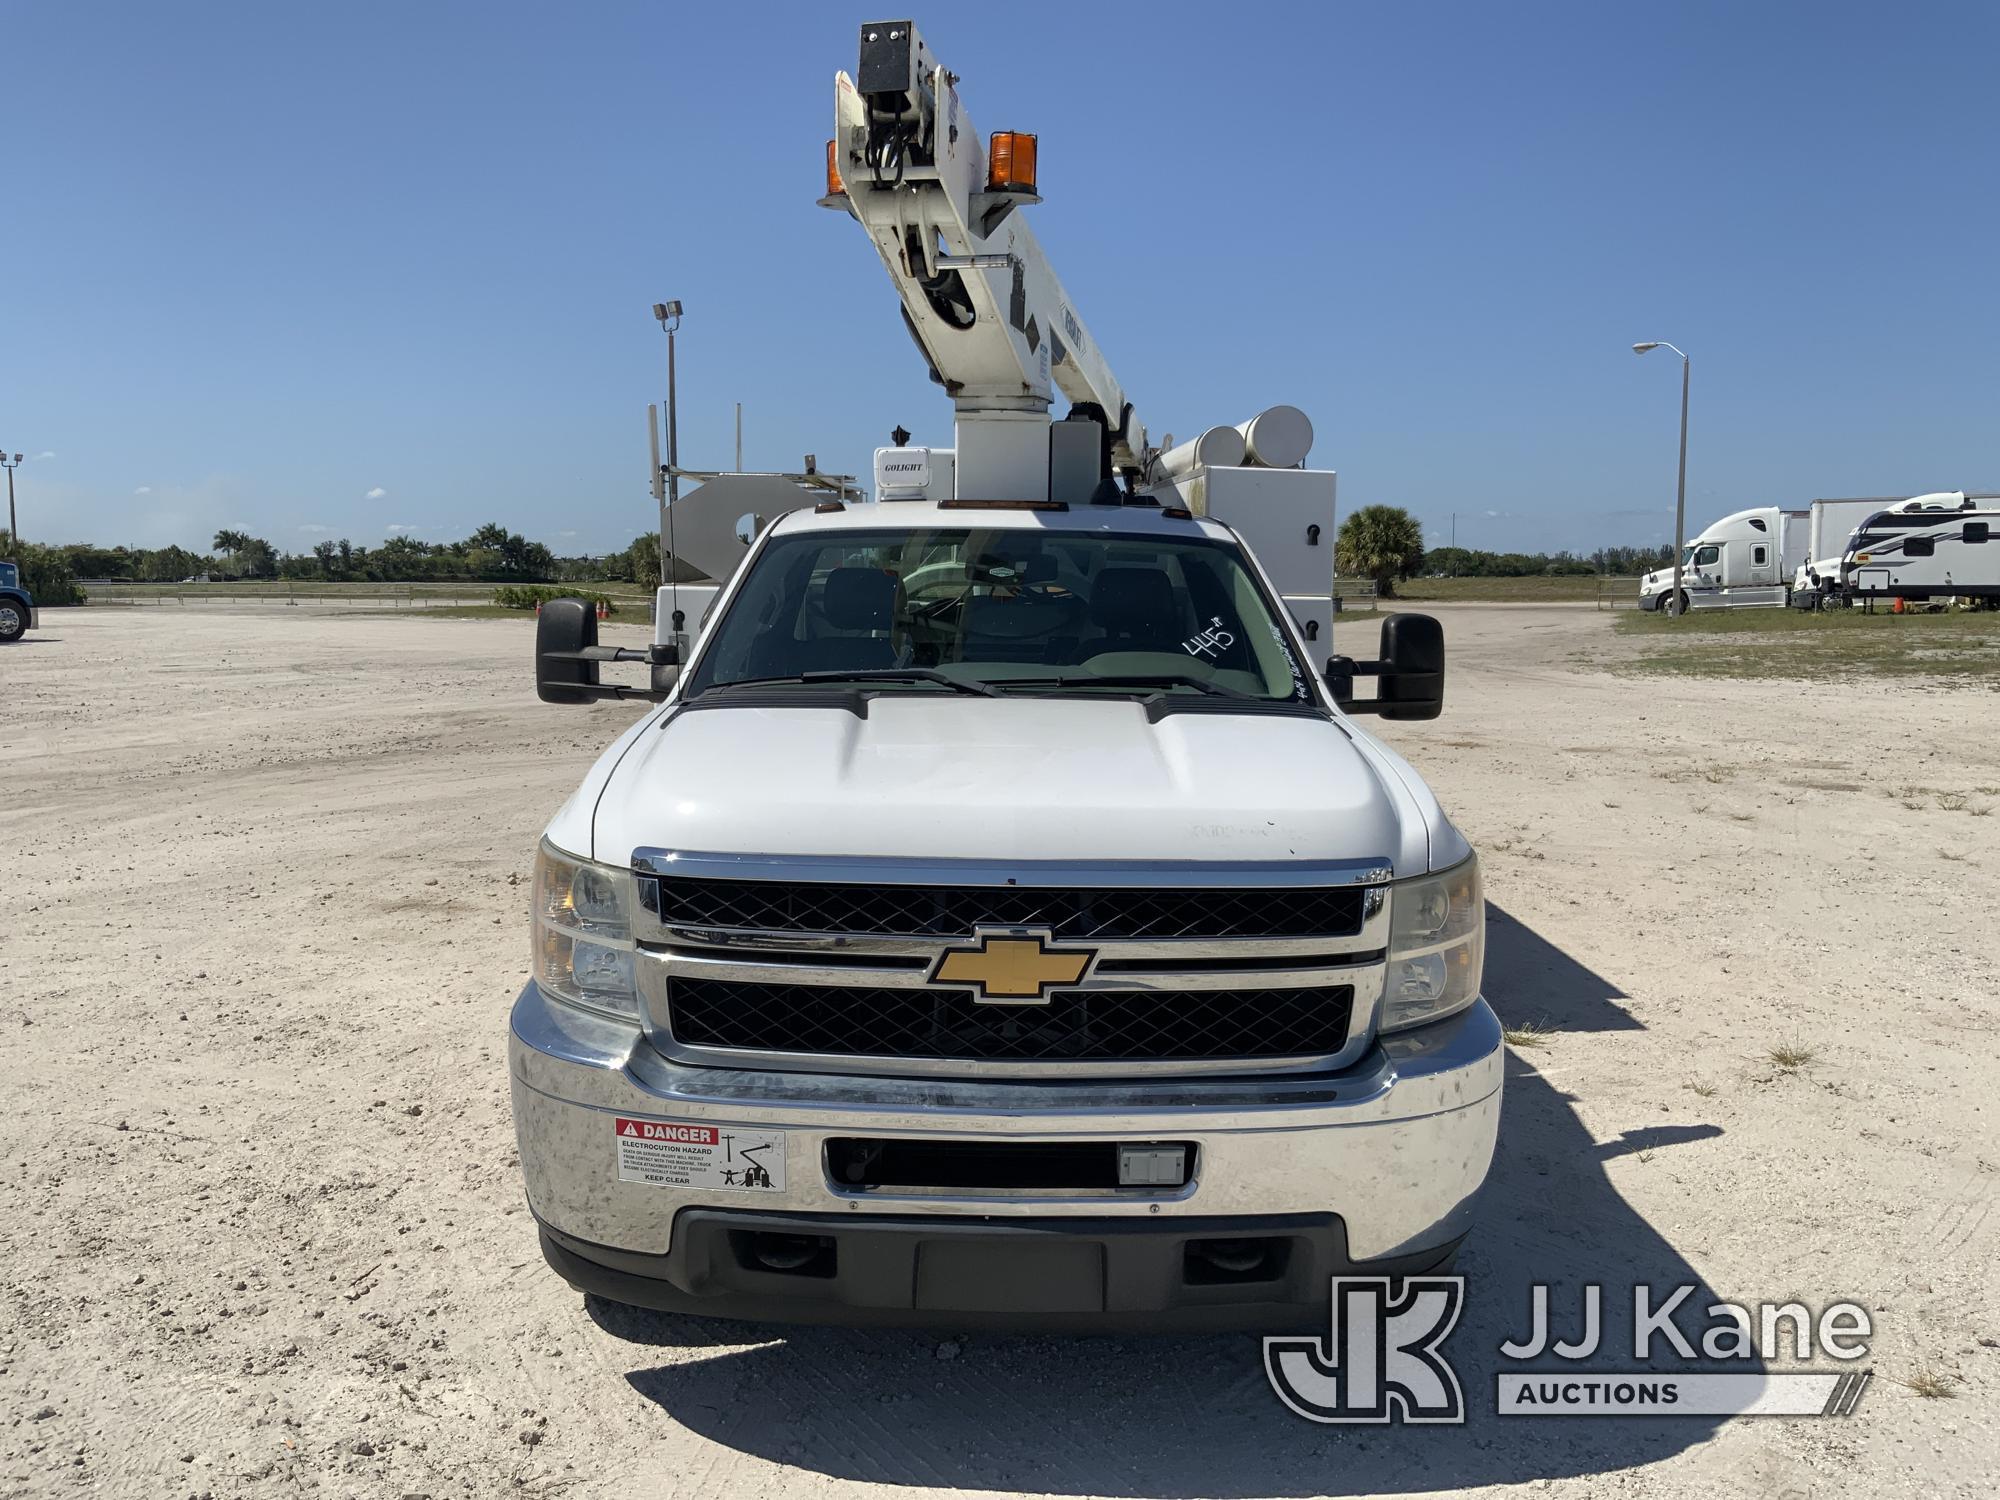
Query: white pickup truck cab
(999, 922)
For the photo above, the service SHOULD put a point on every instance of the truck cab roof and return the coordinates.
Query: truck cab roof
(917, 515)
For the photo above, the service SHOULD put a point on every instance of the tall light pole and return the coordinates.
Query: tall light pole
(669, 314)
(13, 526)
(1681, 486)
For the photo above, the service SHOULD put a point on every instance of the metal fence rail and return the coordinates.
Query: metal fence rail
(1618, 593)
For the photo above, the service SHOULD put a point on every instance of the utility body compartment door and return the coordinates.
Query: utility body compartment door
(1287, 518)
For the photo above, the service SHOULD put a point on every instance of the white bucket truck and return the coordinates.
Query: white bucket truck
(1002, 917)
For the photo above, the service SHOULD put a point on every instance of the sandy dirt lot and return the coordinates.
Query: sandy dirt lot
(262, 1232)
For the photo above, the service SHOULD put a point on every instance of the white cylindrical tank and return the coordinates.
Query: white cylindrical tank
(1279, 438)
(1218, 448)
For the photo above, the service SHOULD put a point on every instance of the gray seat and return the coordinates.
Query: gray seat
(861, 602)
(1136, 610)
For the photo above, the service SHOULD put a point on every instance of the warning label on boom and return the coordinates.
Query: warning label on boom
(669, 1153)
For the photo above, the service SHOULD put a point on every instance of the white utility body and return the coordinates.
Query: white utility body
(1001, 918)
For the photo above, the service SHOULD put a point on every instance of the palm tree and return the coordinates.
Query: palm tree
(229, 543)
(1382, 542)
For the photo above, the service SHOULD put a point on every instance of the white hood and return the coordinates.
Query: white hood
(924, 777)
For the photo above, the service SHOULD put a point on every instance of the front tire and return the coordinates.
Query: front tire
(13, 621)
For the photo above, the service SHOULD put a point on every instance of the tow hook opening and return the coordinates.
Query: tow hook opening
(1233, 1262)
(784, 1254)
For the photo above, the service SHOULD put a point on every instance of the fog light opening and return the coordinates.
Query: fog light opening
(1226, 1262)
(785, 1254)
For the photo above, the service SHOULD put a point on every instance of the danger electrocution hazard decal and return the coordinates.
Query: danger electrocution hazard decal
(671, 1153)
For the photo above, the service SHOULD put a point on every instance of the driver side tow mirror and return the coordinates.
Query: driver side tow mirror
(567, 658)
(748, 525)
(1409, 675)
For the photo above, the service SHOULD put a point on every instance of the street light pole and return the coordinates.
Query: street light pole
(669, 314)
(1681, 484)
(13, 526)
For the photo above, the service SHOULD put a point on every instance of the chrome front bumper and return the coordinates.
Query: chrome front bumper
(1397, 1144)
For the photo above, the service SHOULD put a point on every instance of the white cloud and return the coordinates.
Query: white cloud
(314, 526)
(402, 526)
(375, 494)
(1494, 513)
(565, 533)
(144, 489)
(46, 453)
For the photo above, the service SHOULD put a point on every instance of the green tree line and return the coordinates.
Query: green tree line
(1386, 543)
(492, 554)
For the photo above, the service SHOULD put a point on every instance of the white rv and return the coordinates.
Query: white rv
(1938, 546)
(1744, 559)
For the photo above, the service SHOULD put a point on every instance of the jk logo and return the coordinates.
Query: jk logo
(1380, 1361)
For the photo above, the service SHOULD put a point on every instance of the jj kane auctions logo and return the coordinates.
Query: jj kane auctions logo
(1382, 1358)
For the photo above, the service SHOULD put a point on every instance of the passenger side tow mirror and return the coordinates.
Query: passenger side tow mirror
(1409, 675)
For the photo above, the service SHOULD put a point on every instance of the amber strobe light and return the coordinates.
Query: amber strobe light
(1010, 165)
(835, 188)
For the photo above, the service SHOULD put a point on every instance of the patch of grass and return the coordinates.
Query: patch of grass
(1957, 859)
(1791, 1056)
(1959, 645)
(1528, 1034)
(1932, 1384)
(1952, 801)
(1742, 817)
(1701, 1090)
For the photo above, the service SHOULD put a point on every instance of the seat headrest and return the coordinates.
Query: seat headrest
(860, 598)
(1133, 601)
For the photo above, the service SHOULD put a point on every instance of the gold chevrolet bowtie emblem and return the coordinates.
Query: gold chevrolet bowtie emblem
(1013, 967)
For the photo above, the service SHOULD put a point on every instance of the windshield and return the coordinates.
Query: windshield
(1019, 611)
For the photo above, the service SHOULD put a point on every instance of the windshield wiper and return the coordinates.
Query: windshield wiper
(867, 675)
(1153, 680)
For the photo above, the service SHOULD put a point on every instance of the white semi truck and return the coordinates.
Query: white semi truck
(1746, 558)
(1002, 917)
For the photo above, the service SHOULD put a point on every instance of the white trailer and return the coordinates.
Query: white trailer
(1937, 546)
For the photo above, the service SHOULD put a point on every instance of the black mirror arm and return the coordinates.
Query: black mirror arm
(1340, 674)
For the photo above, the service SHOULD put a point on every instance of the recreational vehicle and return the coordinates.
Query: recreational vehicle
(1937, 546)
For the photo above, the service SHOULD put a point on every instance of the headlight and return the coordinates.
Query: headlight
(582, 934)
(1437, 947)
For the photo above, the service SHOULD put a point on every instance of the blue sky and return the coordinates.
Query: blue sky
(337, 270)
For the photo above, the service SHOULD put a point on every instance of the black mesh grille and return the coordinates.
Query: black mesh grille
(1076, 1025)
(954, 910)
